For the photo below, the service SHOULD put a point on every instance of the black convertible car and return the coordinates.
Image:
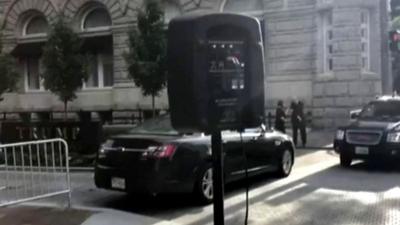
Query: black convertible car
(153, 158)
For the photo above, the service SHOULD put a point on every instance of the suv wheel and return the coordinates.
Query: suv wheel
(345, 159)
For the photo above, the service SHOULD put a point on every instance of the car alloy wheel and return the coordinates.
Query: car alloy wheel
(207, 184)
(285, 163)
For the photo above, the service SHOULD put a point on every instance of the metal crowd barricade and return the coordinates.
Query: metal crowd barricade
(34, 170)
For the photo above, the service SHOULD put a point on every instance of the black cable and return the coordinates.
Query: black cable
(246, 220)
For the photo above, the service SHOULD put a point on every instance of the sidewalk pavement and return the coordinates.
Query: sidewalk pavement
(38, 215)
(316, 138)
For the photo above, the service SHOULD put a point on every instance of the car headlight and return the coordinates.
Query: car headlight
(393, 137)
(339, 135)
(104, 147)
(107, 144)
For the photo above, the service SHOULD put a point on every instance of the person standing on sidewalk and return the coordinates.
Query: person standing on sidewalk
(280, 117)
(303, 123)
(298, 122)
(295, 119)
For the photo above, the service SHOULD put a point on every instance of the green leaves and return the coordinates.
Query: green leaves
(65, 68)
(395, 8)
(396, 23)
(8, 74)
(147, 50)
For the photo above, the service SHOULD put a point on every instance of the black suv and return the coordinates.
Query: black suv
(375, 133)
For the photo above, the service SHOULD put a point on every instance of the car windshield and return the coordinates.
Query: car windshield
(381, 110)
(159, 125)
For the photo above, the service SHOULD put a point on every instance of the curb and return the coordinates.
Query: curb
(78, 207)
(81, 169)
(101, 216)
(71, 169)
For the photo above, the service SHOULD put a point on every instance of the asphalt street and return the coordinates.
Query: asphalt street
(318, 191)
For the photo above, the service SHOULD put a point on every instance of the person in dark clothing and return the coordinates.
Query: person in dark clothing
(295, 120)
(298, 122)
(280, 117)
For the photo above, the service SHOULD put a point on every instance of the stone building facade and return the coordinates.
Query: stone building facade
(324, 52)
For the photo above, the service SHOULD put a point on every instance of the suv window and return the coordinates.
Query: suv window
(381, 110)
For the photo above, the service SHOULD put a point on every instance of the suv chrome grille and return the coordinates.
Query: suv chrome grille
(362, 137)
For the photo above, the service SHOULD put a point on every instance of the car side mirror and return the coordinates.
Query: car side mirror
(354, 116)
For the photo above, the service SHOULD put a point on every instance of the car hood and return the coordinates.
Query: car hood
(374, 125)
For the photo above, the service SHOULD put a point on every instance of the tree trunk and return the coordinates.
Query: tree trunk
(65, 110)
(153, 105)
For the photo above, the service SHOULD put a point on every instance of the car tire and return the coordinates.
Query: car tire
(285, 163)
(345, 159)
(203, 190)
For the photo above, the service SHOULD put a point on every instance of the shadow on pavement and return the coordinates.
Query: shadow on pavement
(148, 205)
(168, 204)
(316, 138)
(42, 216)
(303, 152)
(361, 177)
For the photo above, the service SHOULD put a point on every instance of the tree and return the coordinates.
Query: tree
(65, 67)
(8, 73)
(396, 23)
(146, 58)
(395, 8)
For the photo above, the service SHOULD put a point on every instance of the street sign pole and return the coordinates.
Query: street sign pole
(218, 178)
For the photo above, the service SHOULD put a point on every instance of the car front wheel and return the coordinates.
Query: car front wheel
(285, 163)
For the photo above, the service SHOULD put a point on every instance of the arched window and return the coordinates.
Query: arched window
(96, 18)
(101, 64)
(36, 25)
(33, 25)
